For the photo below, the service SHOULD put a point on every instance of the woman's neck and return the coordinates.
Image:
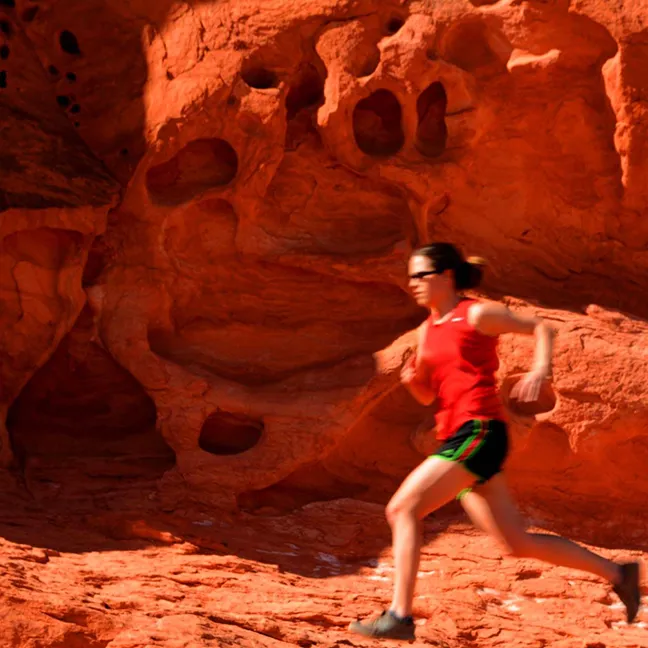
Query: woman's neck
(446, 306)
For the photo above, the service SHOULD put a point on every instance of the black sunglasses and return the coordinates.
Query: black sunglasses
(425, 273)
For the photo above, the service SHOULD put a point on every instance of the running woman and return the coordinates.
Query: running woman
(455, 366)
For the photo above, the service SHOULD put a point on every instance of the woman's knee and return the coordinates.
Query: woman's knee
(392, 511)
(399, 507)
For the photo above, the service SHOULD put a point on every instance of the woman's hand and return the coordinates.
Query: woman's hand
(527, 389)
(414, 377)
(408, 373)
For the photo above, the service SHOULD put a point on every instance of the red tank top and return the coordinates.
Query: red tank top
(461, 363)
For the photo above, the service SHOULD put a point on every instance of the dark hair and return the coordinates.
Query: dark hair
(468, 272)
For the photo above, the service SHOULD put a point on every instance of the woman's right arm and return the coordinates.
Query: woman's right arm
(496, 319)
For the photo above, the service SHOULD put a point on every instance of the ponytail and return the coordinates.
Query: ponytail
(470, 272)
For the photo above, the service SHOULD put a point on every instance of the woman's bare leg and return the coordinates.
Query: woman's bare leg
(434, 483)
(492, 509)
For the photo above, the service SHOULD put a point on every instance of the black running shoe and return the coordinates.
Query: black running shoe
(386, 626)
(628, 589)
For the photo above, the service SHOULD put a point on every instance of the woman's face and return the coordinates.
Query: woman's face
(426, 284)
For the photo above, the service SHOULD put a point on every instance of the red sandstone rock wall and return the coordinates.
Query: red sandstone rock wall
(235, 188)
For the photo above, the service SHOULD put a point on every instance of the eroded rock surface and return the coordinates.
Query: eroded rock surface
(277, 166)
(129, 579)
(205, 212)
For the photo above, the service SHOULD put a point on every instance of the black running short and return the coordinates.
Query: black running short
(480, 446)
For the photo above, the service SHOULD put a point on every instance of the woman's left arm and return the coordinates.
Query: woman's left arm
(491, 318)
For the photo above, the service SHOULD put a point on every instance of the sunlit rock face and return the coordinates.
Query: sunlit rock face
(223, 197)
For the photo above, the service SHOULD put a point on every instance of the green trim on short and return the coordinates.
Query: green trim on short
(468, 442)
(480, 428)
(463, 492)
(480, 446)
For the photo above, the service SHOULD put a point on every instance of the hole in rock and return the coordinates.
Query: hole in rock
(545, 402)
(260, 78)
(221, 329)
(432, 132)
(53, 70)
(209, 350)
(63, 101)
(202, 164)
(377, 124)
(224, 433)
(467, 45)
(482, 3)
(394, 25)
(69, 43)
(8, 3)
(71, 77)
(308, 92)
(5, 27)
(4, 52)
(75, 109)
(3, 79)
(44, 247)
(370, 64)
(98, 258)
(29, 14)
(83, 421)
